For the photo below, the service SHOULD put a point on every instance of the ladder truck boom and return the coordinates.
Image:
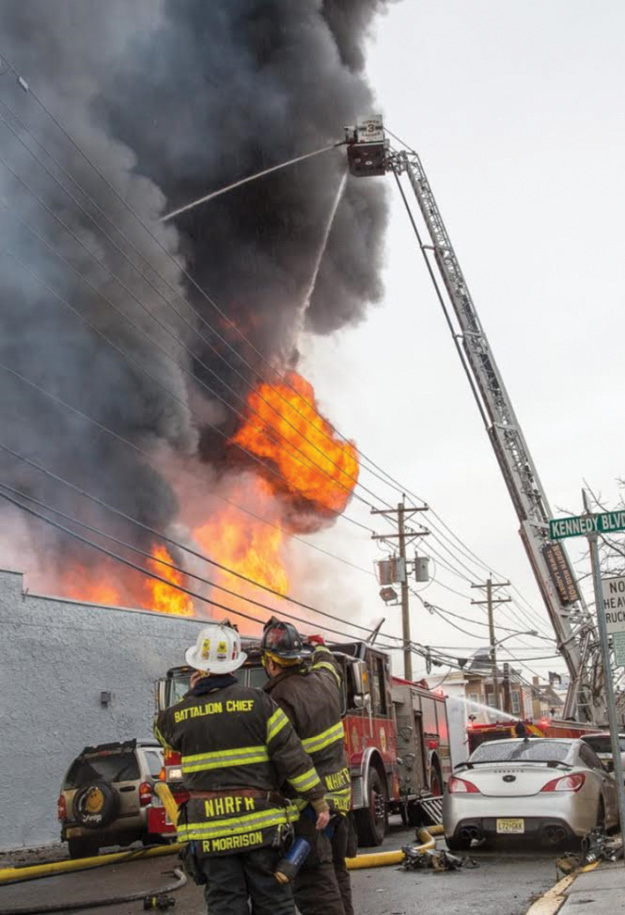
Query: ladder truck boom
(369, 153)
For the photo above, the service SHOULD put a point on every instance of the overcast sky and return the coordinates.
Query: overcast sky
(516, 109)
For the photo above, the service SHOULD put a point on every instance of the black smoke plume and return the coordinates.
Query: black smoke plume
(170, 100)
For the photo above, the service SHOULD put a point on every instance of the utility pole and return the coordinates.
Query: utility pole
(607, 663)
(490, 587)
(403, 536)
(507, 700)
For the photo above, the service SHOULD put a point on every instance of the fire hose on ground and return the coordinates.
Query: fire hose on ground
(36, 871)
(12, 875)
(387, 858)
(160, 895)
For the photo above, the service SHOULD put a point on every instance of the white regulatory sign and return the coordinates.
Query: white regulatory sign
(614, 603)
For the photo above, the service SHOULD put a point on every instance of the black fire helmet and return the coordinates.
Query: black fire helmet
(281, 640)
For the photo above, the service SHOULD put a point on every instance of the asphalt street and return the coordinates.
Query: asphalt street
(505, 883)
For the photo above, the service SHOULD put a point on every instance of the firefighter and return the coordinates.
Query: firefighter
(310, 694)
(237, 748)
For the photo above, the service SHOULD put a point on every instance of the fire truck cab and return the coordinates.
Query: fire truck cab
(396, 739)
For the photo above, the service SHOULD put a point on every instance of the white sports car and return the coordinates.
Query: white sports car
(548, 790)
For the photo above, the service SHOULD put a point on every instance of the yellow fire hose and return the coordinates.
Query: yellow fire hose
(161, 789)
(15, 874)
(385, 858)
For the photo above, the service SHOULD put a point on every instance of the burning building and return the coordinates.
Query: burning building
(153, 365)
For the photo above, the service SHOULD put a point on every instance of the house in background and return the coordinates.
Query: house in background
(517, 696)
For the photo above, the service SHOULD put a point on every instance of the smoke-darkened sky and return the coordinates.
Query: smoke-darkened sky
(170, 100)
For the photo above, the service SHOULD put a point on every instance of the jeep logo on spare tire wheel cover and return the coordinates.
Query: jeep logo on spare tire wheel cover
(95, 805)
(509, 778)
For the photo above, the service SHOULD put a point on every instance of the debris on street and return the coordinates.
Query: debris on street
(415, 858)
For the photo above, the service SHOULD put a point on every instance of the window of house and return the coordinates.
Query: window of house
(515, 701)
(490, 700)
(474, 697)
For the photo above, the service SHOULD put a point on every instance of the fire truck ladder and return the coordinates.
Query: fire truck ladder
(574, 628)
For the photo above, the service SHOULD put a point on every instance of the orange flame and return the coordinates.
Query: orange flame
(164, 597)
(247, 546)
(78, 583)
(286, 428)
(316, 472)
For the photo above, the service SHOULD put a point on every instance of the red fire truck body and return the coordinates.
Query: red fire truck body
(544, 727)
(396, 739)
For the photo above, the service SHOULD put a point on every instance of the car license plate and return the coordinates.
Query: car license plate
(514, 825)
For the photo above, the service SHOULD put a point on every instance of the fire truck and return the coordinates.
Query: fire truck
(396, 740)
(544, 727)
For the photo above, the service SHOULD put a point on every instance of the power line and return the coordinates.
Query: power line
(146, 455)
(428, 605)
(141, 274)
(308, 462)
(132, 565)
(112, 555)
(24, 85)
(189, 574)
(134, 363)
(412, 646)
(177, 263)
(242, 336)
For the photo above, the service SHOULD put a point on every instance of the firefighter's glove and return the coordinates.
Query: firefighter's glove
(321, 808)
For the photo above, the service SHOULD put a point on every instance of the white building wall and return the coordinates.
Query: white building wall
(56, 657)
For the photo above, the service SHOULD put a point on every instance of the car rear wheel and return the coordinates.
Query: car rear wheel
(82, 848)
(371, 821)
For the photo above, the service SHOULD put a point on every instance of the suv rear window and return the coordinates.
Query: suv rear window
(109, 767)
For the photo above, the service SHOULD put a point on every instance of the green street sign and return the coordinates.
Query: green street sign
(618, 644)
(581, 525)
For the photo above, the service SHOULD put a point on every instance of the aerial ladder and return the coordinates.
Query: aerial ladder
(369, 153)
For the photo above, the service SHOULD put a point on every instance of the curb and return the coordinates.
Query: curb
(551, 901)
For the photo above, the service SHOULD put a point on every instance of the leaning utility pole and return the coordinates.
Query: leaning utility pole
(490, 602)
(402, 536)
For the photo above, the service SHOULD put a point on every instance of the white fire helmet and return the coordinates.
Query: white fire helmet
(217, 650)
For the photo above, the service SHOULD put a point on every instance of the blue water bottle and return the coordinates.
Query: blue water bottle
(289, 865)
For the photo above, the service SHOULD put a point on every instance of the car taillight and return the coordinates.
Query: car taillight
(566, 783)
(162, 775)
(61, 807)
(145, 794)
(457, 785)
